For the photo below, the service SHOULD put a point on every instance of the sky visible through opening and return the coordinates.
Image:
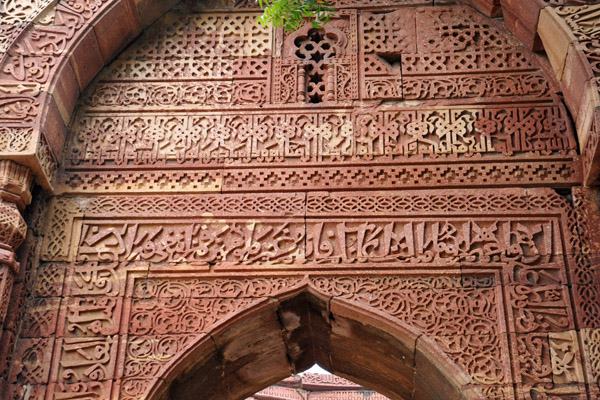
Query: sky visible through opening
(315, 369)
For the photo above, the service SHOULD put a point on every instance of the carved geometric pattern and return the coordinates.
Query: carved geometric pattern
(418, 175)
(14, 140)
(12, 226)
(586, 289)
(57, 239)
(32, 361)
(158, 181)
(41, 317)
(393, 177)
(492, 252)
(49, 280)
(205, 68)
(216, 205)
(410, 97)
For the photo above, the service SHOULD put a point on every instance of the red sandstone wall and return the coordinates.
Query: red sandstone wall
(219, 172)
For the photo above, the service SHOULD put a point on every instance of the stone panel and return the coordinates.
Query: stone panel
(193, 82)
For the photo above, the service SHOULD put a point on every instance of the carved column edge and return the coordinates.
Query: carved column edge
(15, 195)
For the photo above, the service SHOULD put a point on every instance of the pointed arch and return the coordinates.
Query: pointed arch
(285, 334)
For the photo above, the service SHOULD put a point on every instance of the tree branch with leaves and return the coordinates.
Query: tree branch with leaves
(291, 14)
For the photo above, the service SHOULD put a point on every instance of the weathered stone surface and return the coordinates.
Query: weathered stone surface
(231, 210)
(459, 309)
(61, 217)
(239, 66)
(557, 37)
(521, 18)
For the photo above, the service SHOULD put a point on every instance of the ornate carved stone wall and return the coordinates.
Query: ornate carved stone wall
(402, 163)
(383, 104)
(492, 276)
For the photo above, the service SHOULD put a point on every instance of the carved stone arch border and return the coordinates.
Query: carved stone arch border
(286, 331)
(543, 345)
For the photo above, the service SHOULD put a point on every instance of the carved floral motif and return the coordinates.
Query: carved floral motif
(213, 102)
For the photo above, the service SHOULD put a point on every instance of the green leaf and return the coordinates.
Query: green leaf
(291, 14)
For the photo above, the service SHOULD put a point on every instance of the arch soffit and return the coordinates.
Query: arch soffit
(53, 51)
(240, 337)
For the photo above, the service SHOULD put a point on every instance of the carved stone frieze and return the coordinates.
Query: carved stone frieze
(376, 135)
(217, 172)
(302, 236)
(190, 71)
(209, 205)
(295, 178)
(332, 134)
(433, 265)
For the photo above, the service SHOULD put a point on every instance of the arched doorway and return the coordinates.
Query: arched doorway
(286, 334)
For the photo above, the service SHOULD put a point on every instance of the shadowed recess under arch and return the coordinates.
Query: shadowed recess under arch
(278, 337)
